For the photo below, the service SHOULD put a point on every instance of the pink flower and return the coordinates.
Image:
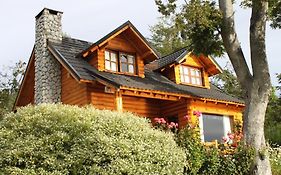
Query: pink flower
(224, 139)
(156, 120)
(231, 136)
(162, 120)
(177, 125)
(197, 113)
(186, 117)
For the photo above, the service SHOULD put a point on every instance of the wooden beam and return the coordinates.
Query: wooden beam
(146, 54)
(118, 101)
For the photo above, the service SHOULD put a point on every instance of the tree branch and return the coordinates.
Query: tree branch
(232, 44)
(257, 43)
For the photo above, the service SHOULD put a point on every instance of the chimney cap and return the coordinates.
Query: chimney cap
(54, 12)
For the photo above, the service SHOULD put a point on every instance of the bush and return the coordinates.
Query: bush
(61, 139)
(224, 160)
(275, 159)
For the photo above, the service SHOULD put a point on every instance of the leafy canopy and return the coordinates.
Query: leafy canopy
(196, 23)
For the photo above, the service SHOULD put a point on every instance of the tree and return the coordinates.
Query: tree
(227, 81)
(197, 15)
(166, 37)
(9, 86)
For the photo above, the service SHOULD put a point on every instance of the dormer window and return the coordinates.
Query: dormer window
(191, 75)
(111, 62)
(121, 62)
(127, 63)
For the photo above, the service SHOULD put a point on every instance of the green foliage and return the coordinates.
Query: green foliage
(275, 160)
(61, 139)
(274, 11)
(273, 119)
(227, 81)
(189, 139)
(9, 86)
(211, 160)
(165, 37)
(195, 23)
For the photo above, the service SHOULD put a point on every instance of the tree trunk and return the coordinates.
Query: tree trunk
(257, 87)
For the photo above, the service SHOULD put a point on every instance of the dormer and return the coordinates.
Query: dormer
(184, 67)
(122, 51)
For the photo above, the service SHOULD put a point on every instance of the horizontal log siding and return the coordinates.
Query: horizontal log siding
(99, 99)
(73, 92)
(175, 108)
(142, 106)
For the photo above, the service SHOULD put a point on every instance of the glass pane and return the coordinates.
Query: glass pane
(199, 82)
(193, 80)
(197, 73)
(131, 59)
(123, 58)
(185, 70)
(213, 127)
(124, 67)
(107, 55)
(192, 72)
(113, 57)
(107, 65)
(131, 69)
(182, 78)
(187, 79)
(113, 66)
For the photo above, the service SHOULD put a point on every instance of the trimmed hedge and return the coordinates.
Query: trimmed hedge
(61, 139)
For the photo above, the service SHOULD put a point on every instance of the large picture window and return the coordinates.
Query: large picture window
(214, 127)
(121, 62)
(190, 75)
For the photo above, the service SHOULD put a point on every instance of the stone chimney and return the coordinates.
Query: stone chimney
(47, 68)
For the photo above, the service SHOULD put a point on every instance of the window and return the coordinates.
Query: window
(127, 63)
(124, 63)
(214, 127)
(190, 75)
(111, 61)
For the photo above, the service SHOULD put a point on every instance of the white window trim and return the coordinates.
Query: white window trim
(226, 126)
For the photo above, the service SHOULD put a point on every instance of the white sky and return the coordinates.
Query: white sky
(92, 19)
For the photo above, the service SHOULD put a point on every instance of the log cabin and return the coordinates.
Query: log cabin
(123, 72)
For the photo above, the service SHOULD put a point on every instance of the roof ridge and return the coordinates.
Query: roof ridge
(173, 52)
(69, 37)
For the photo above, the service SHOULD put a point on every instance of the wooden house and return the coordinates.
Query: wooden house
(122, 72)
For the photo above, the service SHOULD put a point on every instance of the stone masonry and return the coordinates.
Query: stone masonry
(47, 68)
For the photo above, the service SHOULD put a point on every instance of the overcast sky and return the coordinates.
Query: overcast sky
(92, 19)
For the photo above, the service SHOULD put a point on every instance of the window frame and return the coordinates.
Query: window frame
(119, 63)
(184, 76)
(110, 61)
(227, 125)
(127, 63)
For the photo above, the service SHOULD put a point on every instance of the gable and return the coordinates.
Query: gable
(191, 60)
(131, 35)
(26, 91)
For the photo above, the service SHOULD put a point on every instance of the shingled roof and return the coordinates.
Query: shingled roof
(67, 50)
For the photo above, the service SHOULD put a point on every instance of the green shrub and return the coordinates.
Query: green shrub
(61, 139)
(275, 160)
(189, 140)
(211, 160)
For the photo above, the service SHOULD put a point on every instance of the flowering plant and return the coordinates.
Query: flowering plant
(161, 123)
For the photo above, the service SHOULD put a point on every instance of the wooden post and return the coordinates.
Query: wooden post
(118, 101)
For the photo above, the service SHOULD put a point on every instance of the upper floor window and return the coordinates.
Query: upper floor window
(121, 62)
(127, 63)
(191, 75)
(111, 61)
